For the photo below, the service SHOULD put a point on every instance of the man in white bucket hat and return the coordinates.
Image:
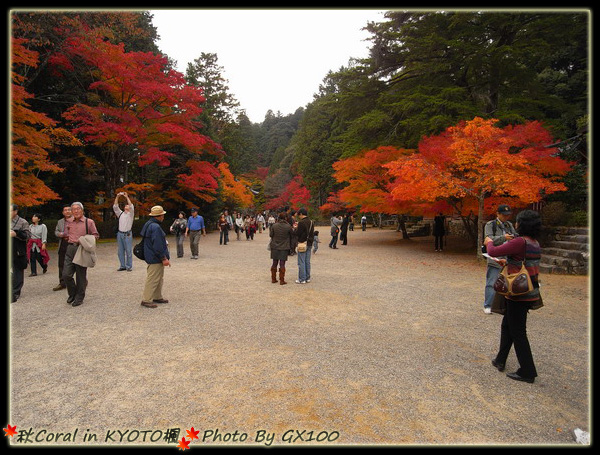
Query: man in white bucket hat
(156, 255)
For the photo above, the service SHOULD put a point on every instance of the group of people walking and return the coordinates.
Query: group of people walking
(291, 233)
(76, 252)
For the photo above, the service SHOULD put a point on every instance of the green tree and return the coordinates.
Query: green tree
(220, 107)
(441, 67)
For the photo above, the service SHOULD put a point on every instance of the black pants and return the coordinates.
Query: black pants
(62, 250)
(75, 286)
(35, 257)
(18, 277)
(439, 242)
(513, 331)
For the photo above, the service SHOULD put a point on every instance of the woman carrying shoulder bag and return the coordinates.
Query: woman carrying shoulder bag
(513, 330)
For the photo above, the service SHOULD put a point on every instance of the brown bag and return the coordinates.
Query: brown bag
(515, 283)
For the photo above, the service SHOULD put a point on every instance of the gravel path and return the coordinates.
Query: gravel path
(387, 345)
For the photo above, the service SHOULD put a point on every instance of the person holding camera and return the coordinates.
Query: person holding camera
(500, 231)
(124, 233)
(178, 228)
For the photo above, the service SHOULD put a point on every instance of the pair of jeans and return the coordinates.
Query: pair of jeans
(333, 243)
(490, 278)
(304, 265)
(125, 249)
(180, 240)
(224, 237)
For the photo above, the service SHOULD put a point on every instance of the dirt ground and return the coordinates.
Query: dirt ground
(388, 345)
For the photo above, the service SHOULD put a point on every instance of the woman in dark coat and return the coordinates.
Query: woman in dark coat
(344, 229)
(439, 230)
(281, 236)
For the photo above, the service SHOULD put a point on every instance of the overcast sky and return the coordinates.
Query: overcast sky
(272, 59)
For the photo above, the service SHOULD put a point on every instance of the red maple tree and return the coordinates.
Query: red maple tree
(140, 110)
(295, 195)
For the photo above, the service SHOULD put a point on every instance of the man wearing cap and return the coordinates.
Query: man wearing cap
(194, 228)
(156, 255)
(500, 230)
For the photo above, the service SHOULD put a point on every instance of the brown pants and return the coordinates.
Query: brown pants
(154, 282)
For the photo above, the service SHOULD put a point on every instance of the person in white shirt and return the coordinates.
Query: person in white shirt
(260, 221)
(239, 225)
(124, 234)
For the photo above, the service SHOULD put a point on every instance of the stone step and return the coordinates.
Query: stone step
(578, 238)
(567, 230)
(578, 255)
(554, 269)
(559, 260)
(568, 245)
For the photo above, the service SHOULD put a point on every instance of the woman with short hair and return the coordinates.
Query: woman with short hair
(36, 245)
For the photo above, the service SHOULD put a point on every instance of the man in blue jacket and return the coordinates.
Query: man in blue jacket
(156, 256)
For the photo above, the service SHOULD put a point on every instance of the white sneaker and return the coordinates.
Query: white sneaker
(487, 310)
(300, 282)
(308, 281)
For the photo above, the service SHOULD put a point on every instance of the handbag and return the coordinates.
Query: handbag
(303, 246)
(512, 284)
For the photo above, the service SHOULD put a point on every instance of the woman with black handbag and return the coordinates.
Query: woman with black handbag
(513, 331)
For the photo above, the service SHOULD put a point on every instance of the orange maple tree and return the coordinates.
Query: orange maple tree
(33, 134)
(234, 191)
(369, 185)
(475, 164)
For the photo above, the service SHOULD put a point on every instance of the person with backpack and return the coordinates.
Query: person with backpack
(156, 255)
(499, 230)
